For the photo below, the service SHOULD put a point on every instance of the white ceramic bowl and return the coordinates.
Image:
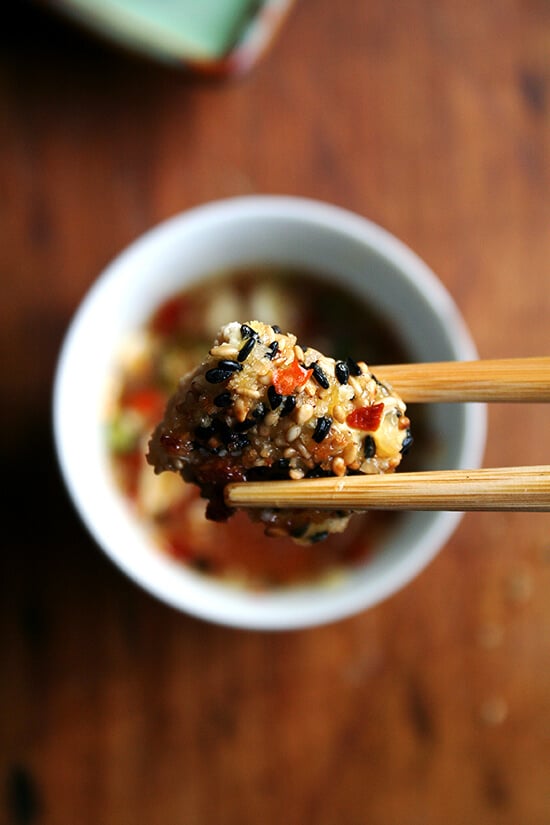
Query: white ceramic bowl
(192, 245)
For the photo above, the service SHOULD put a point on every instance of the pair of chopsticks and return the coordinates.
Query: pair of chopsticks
(505, 488)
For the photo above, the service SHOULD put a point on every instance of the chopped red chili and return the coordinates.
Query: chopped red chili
(169, 316)
(366, 418)
(287, 379)
(148, 401)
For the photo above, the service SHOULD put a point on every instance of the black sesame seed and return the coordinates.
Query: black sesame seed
(407, 443)
(258, 473)
(277, 471)
(280, 467)
(322, 428)
(223, 399)
(204, 433)
(289, 404)
(274, 397)
(259, 412)
(273, 349)
(318, 472)
(238, 441)
(380, 384)
(222, 372)
(353, 367)
(276, 328)
(248, 332)
(317, 537)
(341, 371)
(202, 447)
(370, 447)
(232, 366)
(217, 375)
(246, 349)
(222, 430)
(319, 375)
(244, 426)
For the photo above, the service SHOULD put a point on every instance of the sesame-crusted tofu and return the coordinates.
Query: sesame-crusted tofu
(278, 410)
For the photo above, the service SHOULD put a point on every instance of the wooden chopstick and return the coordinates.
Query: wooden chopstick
(503, 488)
(507, 379)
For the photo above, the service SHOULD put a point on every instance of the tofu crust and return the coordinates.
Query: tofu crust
(260, 406)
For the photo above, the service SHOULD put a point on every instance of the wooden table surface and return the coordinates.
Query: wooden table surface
(432, 119)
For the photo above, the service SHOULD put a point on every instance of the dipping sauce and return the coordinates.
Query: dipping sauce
(172, 342)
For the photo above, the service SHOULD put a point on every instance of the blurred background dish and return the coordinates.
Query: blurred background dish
(222, 37)
(158, 536)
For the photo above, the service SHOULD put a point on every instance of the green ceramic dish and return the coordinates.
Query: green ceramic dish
(223, 36)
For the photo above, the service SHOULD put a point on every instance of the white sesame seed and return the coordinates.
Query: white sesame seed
(224, 351)
(296, 474)
(293, 433)
(302, 449)
(303, 413)
(349, 454)
(339, 414)
(369, 466)
(249, 392)
(239, 409)
(355, 384)
(345, 392)
(403, 423)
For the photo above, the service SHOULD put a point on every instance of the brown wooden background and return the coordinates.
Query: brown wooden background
(431, 118)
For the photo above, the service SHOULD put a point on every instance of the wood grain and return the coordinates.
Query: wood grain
(525, 489)
(488, 380)
(431, 119)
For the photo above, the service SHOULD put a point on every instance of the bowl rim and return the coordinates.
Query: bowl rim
(279, 610)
